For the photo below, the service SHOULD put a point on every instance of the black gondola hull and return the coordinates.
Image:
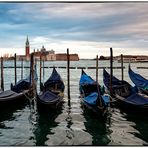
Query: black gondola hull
(126, 96)
(9, 98)
(49, 104)
(129, 107)
(51, 93)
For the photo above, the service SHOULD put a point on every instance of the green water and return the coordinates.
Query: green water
(71, 125)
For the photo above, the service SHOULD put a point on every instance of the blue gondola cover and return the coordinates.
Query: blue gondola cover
(25, 83)
(91, 99)
(137, 99)
(115, 81)
(91, 91)
(55, 78)
(137, 79)
(85, 79)
(132, 98)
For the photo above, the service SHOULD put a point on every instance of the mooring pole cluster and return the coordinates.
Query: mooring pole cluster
(68, 71)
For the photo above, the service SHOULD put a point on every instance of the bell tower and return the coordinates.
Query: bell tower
(27, 47)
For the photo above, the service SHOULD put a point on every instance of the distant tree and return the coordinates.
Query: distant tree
(101, 57)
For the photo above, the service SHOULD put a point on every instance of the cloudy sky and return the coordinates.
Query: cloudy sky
(85, 28)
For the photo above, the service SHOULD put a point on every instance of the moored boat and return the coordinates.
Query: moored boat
(91, 95)
(51, 94)
(126, 95)
(140, 82)
(17, 93)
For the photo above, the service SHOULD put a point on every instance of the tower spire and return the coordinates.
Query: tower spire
(27, 41)
(27, 47)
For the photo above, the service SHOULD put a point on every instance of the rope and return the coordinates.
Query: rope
(28, 96)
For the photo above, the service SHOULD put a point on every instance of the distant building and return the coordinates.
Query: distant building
(46, 55)
(63, 57)
(127, 58)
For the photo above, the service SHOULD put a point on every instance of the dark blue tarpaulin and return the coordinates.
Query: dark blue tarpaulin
(24, 84)
(115, 81)
(85, 79)
(138, 80)
(91, 99)
(55, 78)
(137, 99)
(88, 85)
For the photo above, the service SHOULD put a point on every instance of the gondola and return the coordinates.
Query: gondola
(51, 94)
(126, 95)
(10, 97)
(91, 95)
(140, 82)
(17, 93)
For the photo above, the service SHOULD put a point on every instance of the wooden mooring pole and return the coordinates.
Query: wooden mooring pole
(97, 68)
(40, 71)
(68, 76)
(43, 71)
(111, 70)
(15, 75)
(122, 72)
(32, 74)
(2, 75)
(22, 69)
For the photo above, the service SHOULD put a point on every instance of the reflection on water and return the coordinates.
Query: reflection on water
(71, 125)
(123, 131)
(69, 131)
(97, 127)
(45, 123)
(141, 124)
(8, 113)
(10, 128)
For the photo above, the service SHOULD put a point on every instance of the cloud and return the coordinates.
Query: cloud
(83, 26)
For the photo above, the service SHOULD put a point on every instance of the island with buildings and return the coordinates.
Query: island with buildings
(47, 55)
(50, 55)
(127, 58)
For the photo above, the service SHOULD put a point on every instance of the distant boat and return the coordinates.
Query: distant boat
(51, 94)
(139, 81)
(125, 94)
(91, 95)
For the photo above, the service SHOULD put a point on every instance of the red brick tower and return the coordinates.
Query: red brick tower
(27, 48)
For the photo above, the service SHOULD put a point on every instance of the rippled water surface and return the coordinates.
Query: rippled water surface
(71, 125)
